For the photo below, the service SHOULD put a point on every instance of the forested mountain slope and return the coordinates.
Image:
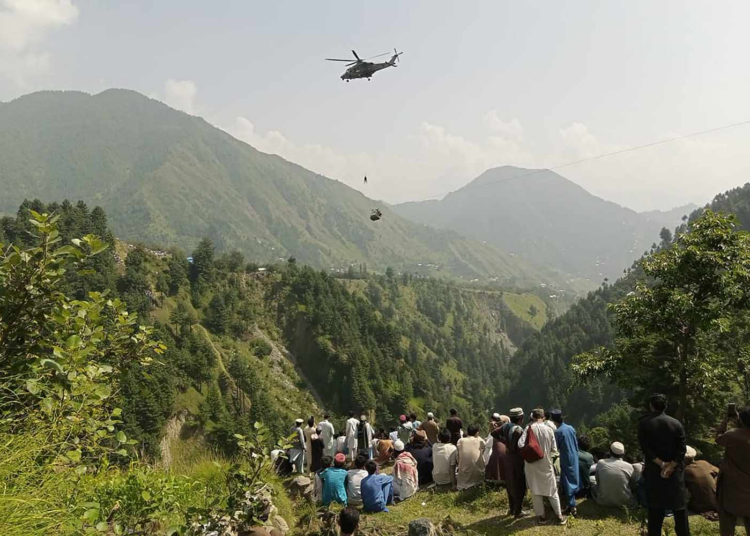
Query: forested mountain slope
(547, 219)
(378, 343)
(168, 178)
(541, 368)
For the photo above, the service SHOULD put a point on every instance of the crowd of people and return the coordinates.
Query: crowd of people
(540, 453)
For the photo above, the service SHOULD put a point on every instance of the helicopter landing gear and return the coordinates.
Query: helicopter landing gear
(369, 79)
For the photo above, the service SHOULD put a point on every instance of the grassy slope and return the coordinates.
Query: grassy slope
(521, 304)
(481, 511)
(168, 178)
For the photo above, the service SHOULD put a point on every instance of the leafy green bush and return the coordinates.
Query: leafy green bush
(261, 347)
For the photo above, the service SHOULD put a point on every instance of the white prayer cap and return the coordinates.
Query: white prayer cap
(617, 448)
(495, 416)
(430, 415)
(299, 421)
(398, 445)
(363, 417)
(690, 452)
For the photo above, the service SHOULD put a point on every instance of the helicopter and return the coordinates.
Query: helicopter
(360, 68)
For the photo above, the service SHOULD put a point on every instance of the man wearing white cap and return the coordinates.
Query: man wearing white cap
(540, 473)
(614, 480)
(700, 481)
(431, 428)
(405, 473)
(297, 452)
(514, 464)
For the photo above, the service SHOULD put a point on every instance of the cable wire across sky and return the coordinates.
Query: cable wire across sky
(620, 151)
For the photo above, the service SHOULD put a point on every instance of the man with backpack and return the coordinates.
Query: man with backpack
(537, 444)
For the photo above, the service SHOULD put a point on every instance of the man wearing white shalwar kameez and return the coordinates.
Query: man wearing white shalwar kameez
(351, 435)
(540, 475)
(328, 435)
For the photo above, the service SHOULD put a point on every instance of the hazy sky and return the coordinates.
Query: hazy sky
(481, 84)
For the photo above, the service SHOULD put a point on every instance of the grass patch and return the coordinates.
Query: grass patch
(190, 400)
(527, 307)
(481, 511)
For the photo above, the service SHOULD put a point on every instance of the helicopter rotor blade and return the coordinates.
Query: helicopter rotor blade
(383, 54)
(335, 59)
(355, 55)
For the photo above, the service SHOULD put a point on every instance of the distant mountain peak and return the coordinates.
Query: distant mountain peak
(544, 217)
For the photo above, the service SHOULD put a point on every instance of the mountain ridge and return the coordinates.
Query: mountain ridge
(544, 218)
(167, 177)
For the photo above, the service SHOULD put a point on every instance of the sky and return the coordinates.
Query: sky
(480, 84)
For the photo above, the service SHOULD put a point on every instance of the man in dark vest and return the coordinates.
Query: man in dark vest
(662, 440)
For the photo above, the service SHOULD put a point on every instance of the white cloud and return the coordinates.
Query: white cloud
(434, 161)
(25, 24)
(507, 129)
(180, 94)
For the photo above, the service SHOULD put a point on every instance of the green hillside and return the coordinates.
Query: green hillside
(542, 372)
(168, 178)
(546, 219)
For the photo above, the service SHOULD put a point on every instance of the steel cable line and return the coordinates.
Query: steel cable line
(612, 153)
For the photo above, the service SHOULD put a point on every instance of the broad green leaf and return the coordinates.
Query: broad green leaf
(49, 363)
(32, 386)
(121, 437)
(73, 341)
(102, 526)
(146, 495)
(74, 455)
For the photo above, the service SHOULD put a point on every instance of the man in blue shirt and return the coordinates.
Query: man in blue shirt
(377, 490)
(335, 480)
(567, 444)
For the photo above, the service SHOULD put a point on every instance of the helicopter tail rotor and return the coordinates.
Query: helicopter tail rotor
(394, 58)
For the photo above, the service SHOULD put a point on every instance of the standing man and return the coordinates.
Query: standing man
(431, 428)
(297, 452)
(540, 474)
(567, 445)
(515, 477)
(415, 422)
(328, 435)
(365, 435)
(404, 429)
(454, 426)
(309, 432)
(734, 479)
(351, 435)
(662, 441)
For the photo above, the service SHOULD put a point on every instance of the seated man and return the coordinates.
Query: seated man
(334, 481)
(444, 460)
(700, 481)
(376, 490)
(353, 488)
(348, 521)
(614, 480)
(422, 452)
(585, 461)
(325, 464)
(405, 475)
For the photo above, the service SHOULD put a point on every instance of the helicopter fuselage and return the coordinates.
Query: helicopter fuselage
(365, 69)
